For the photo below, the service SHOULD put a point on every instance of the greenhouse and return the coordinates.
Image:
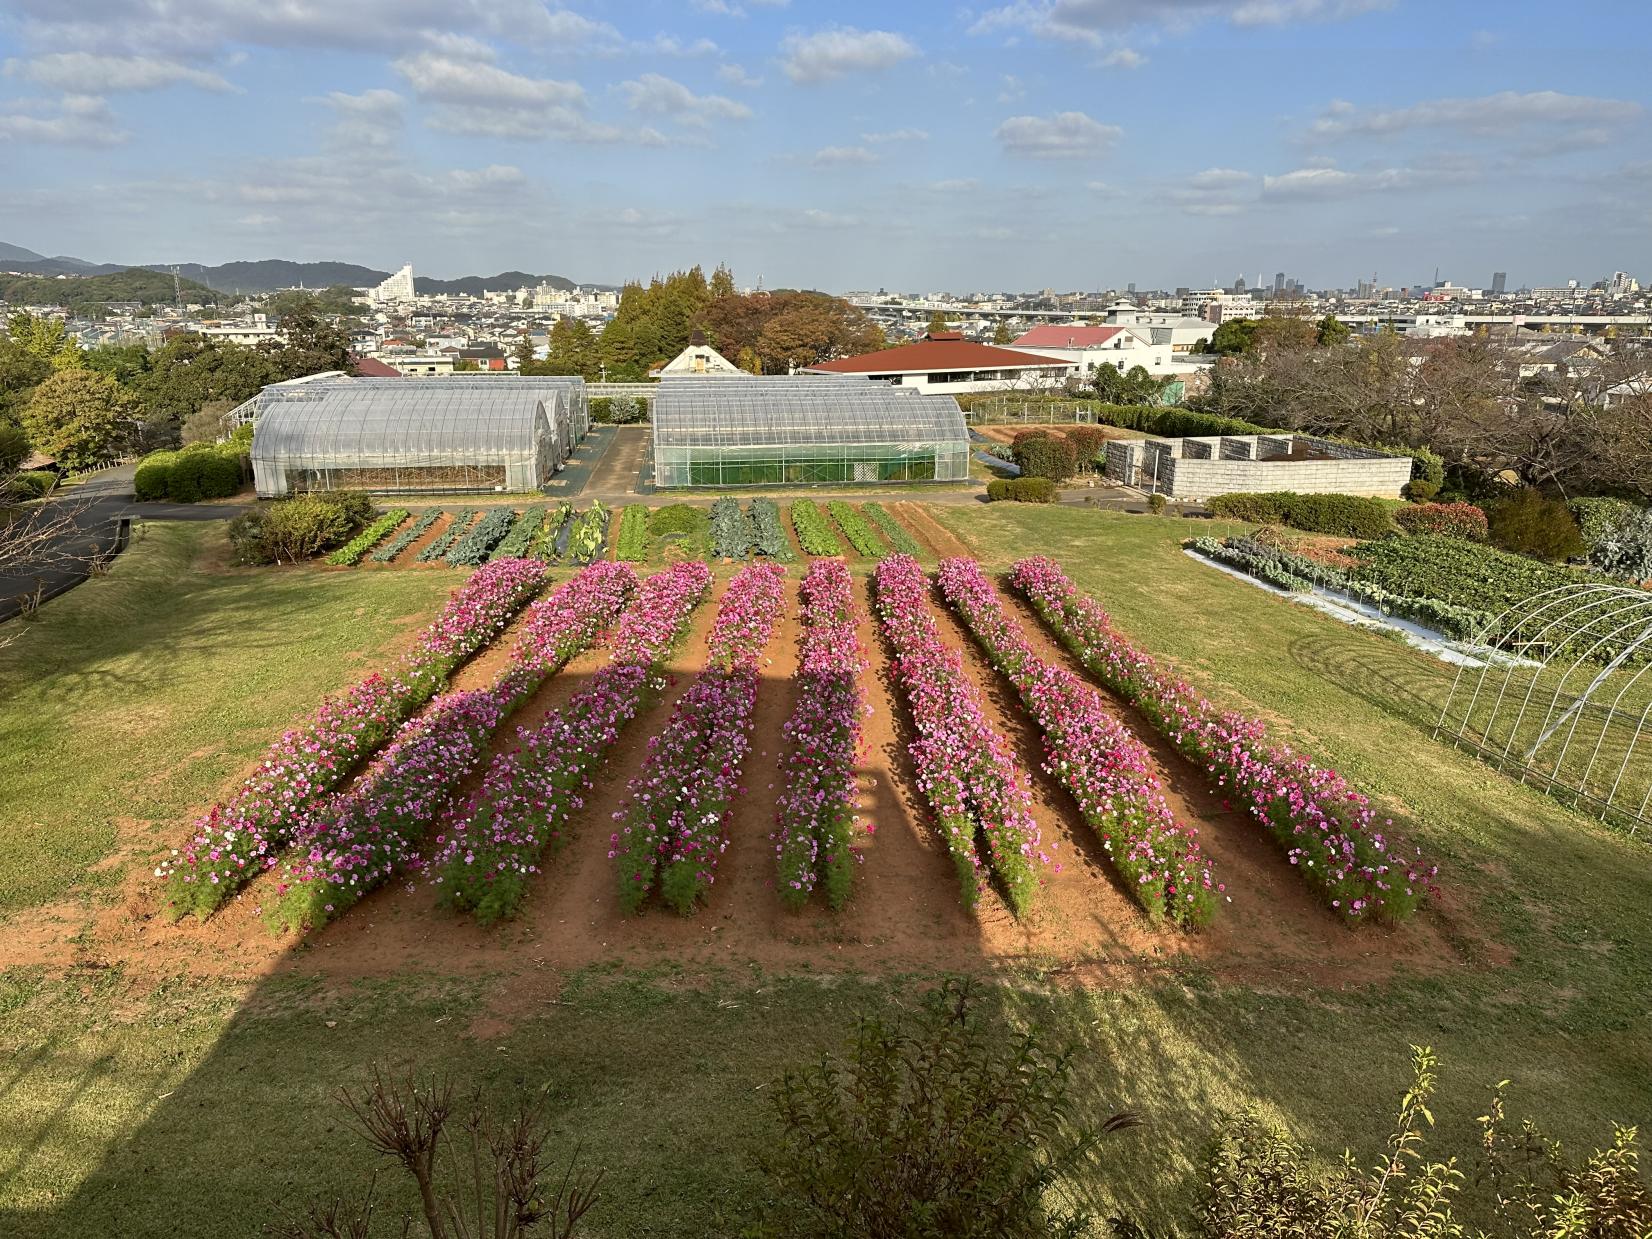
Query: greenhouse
(799, 431)
(435, 434)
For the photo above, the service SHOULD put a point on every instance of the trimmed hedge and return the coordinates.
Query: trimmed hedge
(1041, 455)
(1351, 516)
(200, 471)
(1021, 490)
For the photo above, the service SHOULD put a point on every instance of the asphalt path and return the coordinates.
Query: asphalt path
(93, 509)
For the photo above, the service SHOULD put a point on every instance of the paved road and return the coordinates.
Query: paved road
(94, 509)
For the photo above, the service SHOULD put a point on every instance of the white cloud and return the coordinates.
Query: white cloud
(839, 156)
(1098, 22)
(735, 75)
(830, 54)
(1123, 58)
(956, 185)
(1215, 192)
(1487, 115)
(656, 95)
(1321, 183)
(1012, 90)
(813, 218)
(671, 45)
(83, 73)
(479, 99)
(74, 120)
(896, 135)
(373, 118)
(1065, 135)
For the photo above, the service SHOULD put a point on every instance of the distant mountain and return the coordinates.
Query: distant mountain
(270, 274)
(90, 292)
(476, 285)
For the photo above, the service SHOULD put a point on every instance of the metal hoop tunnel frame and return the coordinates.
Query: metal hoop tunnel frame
(1599, 633)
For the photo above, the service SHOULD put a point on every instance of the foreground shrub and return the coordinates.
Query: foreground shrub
(1450, 520)
(205, 472)
(1258, 509)
(492, 1180)
(934, 1126)
(1259, 1183)
(1089, 442)
(1530, 523)
(32, 484)
(1021, 490)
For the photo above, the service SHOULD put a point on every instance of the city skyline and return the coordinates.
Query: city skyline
(1068, 143)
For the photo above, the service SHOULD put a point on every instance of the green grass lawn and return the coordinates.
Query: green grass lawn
(202, 1107)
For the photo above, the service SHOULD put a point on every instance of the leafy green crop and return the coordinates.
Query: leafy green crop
(814, 531)
(359, 545)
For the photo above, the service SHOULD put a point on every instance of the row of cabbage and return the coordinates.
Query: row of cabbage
(557, 534)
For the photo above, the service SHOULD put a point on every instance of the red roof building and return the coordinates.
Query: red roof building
(943, 361)
(373, 368)
(1066, 335)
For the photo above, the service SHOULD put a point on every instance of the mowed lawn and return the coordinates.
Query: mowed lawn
(198, 1107)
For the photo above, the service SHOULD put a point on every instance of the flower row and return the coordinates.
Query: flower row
(491, 847)
(353, 842)
(671, 832)
(1329, 830)
(817, 810)
(239, 838)
(1096, 757)
(965, 769)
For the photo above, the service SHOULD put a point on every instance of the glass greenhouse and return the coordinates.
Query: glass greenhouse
(796, 431)
(469, 433)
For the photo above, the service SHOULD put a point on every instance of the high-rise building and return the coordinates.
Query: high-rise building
(1239, 286)
(397, 289)
(1278, 283)
(1499, 283)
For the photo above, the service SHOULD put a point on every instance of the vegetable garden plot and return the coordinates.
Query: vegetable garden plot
(672, 831)
(240, 837)
(1329, 831)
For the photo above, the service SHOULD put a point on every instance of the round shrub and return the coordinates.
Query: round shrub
(32, 484)
(1453, 520)
(1528, 522)
(1089, 442)
(1419, 490)
(187, 479)
(1045, 457)
(152, 481)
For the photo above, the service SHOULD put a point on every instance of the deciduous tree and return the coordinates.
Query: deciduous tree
(80, 417)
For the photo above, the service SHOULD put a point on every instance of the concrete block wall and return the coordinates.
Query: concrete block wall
(1203, 479)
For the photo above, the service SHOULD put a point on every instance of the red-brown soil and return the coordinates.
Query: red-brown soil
(940, 541)
(905, 914)
(1006, 433)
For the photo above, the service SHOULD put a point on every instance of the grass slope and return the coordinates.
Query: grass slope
(203, 1107)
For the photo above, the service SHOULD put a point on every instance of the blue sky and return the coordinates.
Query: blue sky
(915, 145)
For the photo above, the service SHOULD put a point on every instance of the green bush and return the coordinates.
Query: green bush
(14, 446)
(1043, 456)
(1089, 443)
(1420, 491)
(619, 410)
(1350, 516)
(290, 530)
(1528, 522)
(1022, 490)
(1427, 466)
(1598, 517)
(33, 484)
(150, 481)
(1259, 509)
(1156, 503)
